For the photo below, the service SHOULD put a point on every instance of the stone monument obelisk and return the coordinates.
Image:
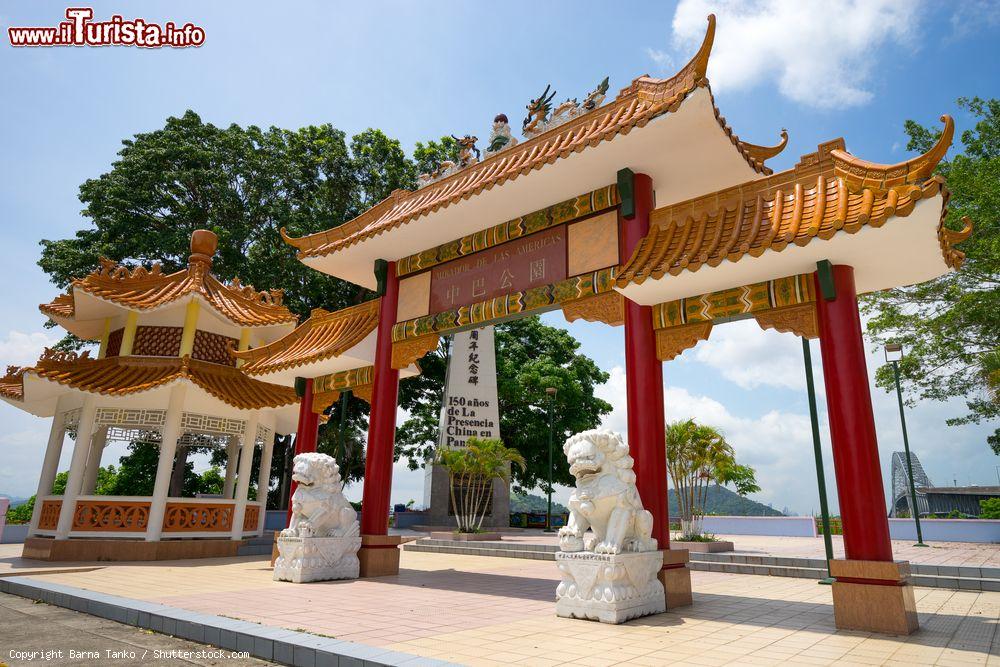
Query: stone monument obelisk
(469, 409)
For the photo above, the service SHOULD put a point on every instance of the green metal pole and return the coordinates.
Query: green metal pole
(914, 510)
(548, 512)
(342, 429)
(820, 476)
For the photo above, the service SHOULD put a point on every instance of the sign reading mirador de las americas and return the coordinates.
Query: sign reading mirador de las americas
(80, 29)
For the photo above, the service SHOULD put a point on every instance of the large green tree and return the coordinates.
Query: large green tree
(950, 326)
(245, 183)
(531, 357)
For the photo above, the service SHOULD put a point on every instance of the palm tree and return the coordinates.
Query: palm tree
(473, 469)
(697, 456)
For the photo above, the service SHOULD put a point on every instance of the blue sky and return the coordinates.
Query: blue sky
(421, 70)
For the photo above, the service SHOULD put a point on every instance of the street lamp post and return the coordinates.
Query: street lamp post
(818, 452)
(551, 393)
(342, 431)
(893, 355)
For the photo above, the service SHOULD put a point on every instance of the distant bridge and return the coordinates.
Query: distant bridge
(901, 485)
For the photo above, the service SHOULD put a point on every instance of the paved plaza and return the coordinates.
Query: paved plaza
(492, 611)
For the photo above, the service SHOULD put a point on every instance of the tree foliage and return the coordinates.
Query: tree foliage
(531, 356)
(950, 326)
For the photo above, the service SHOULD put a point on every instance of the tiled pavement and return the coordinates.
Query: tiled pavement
(491, 611)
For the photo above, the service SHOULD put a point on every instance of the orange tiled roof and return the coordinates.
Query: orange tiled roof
(120, 376)
(144, 289)
(323, 336)
(643, 100)
(827, 193)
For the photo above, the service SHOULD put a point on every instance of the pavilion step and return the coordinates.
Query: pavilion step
(935, 576)
(256, 546)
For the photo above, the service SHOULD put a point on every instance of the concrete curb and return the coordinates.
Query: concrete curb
(287, 647)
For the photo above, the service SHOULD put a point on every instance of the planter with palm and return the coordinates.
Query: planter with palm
(472, 470)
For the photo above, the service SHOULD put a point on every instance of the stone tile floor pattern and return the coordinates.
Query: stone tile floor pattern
(499, 611)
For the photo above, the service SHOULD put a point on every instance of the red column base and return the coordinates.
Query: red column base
(379, 555)
(676, 578)
(874, 596)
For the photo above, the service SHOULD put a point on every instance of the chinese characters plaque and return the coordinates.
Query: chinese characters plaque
(515, 266)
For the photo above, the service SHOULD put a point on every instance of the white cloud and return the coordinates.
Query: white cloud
(974, 15)
(819, 54)
(661, 59)
(22, 349)
(750, 358)
(778, 444)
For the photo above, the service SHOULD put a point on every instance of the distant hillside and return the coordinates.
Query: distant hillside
(520, 502)
(724, 502)
(14, 500)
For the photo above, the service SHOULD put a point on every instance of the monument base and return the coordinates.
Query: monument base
(379, 555)
(437, 500)
(304, 559)
(676, 578)
(610, 588)
(875, 596)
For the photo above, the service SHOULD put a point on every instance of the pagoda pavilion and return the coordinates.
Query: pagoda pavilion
(164, 373)
(648, 212)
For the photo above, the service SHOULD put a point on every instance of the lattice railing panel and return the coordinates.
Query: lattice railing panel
(198, 517)
(48, 518)
(251, 518)
(125, 516)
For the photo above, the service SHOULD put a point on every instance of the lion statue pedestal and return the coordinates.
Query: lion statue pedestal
(608, 559)
(323, 537)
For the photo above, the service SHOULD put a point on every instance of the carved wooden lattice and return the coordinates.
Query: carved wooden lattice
(198, 517)
(48, 518)
(157, 341)
(115, 343)
(211, 425)
(130, 418)
(214, 348)
(251, 518)
(126, 516)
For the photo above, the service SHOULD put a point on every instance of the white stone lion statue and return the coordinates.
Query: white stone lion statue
(605, 500)
(319, 508)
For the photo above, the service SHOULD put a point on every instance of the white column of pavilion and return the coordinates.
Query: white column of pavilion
(81, 450)
(243, 476)
(50, 464)
(165, 465)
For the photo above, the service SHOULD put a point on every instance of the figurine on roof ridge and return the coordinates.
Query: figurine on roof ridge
(539, 118)
(466, 147)
(501, 137)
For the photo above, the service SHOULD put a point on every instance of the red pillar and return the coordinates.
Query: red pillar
(305, 434)
(382, 419)
(852, 423)
(644, 380)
